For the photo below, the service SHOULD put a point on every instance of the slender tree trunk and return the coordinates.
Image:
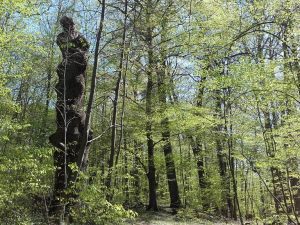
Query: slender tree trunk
(291, 196)
(276, 173)
(197, 147)
(136, 177)
(124, 96)
(115, 106)
(101, 149)
(228, 128)
(84, 148)
(135, 168)
(182, 171)
(262, 199)
(126, 180)
(226, 211)
(51, 61)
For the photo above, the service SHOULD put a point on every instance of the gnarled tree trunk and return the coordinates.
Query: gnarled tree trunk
(70, 116)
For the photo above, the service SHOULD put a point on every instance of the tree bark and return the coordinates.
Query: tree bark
(228, 210)
(70, 116)
(150, 143)
(166, 134)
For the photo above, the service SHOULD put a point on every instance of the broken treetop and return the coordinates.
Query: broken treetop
(71, 41)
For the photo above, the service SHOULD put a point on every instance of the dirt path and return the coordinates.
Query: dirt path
(162, 218)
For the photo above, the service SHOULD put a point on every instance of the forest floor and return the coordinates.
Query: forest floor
(165, 218)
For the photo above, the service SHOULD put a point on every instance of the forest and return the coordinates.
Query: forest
(149, 112)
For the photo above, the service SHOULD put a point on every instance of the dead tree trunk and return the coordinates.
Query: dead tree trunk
(70, 116)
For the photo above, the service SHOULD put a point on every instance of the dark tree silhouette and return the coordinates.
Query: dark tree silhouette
(70, 115)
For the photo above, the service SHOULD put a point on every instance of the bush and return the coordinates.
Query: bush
(94, 209)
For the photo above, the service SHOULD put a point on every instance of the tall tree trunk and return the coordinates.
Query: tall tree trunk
(197, 147)
(229, 131)
(51, 61)
(136, 177)
(149, 104)
(227, 209)
(69, 116)
(170, 166)
(150, 144)
(182, 171)
(115, 106)
(135, 169)
(162, 77)
(167, 147)
(83, 151)
(126, 180)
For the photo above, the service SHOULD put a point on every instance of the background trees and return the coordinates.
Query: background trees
(196, 105)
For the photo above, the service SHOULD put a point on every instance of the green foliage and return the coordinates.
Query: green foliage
(228, 54)
(95, 209)
(25, 180)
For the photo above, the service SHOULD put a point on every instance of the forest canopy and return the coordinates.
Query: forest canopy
(189, 107)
